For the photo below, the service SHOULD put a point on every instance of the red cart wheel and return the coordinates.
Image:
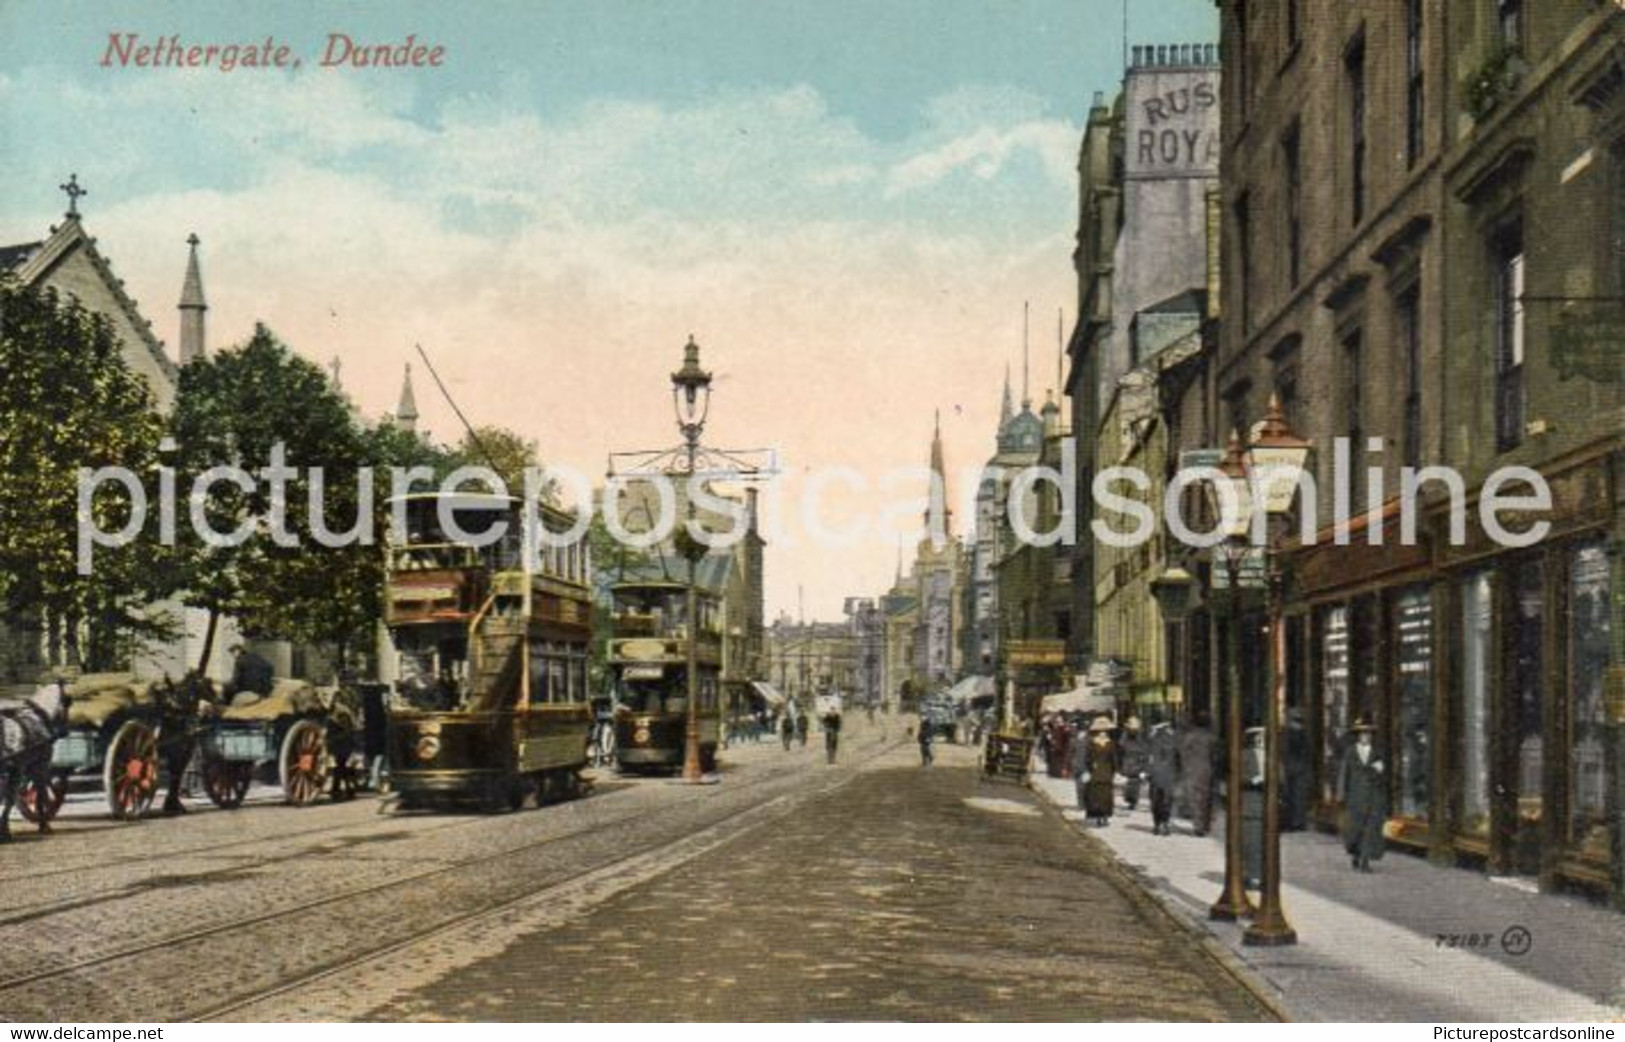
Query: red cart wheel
(304, 763)
(40, 807)
(131, 772)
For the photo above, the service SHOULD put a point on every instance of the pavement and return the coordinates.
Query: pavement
(1410, 942)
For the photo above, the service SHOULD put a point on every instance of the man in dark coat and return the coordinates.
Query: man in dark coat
(1196, 768)
(1364, 782)
(1163, 771)
(1295, 792)
(1252, 807)
(1133, 751)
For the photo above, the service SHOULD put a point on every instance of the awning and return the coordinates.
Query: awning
(1084, 699)
(972, 688)
(767, 693)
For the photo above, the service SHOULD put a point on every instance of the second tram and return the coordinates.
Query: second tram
(648, 665)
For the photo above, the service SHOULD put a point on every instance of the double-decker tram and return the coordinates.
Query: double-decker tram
(648, 664)
(491, 707)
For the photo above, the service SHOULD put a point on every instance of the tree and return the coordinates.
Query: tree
(235, 409)
(507, 453)
(68, 400)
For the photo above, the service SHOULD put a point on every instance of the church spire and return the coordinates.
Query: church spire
(192, 307)
(1026, 355)
(406, 413)
(1006, 409)
(937, 504)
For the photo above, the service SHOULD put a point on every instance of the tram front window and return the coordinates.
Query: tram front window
(651, 698)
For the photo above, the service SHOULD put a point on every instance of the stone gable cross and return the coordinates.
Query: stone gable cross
(74, 192)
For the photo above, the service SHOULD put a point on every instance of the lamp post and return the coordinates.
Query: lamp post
(1276, 458)
(1231, 502)
(691, 398)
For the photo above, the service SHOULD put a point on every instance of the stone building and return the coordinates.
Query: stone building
(1146, 166)
(69, 261)
(1019, 440)
(1423, 229)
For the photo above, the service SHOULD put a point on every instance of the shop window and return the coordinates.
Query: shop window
(1413, 621)
(1588, 667)
(1334, 695)
(1477, 649)
(1525, 691)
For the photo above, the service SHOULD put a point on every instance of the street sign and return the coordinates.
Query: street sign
(1036, 652)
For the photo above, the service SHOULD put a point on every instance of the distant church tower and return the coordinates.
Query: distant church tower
(406, 413)
(192, 308)
(937, 506)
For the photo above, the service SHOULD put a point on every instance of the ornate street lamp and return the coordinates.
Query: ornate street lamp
(1175, 591)
(1277, 458)
(1230, 501)
(691, 398)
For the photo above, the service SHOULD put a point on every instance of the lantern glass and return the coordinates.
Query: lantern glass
(1277, 471)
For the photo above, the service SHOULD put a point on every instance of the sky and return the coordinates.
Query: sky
(846, 204)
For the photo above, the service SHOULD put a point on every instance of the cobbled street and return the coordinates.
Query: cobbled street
(868, 890)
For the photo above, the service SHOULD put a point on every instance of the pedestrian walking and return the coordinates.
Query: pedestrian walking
(832, 734)
(1134, 762)
(787, 729)
(1196, 749)
(1365, 800)
(1163, 771)
(1080, 771)
(926, 753)
(1252, 808)
(1295, 755)
(1100, 764)
(801, 727)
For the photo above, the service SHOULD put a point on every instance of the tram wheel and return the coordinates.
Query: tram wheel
(226, 782)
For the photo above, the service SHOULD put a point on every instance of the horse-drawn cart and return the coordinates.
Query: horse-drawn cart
(119, 728)
(298, 736)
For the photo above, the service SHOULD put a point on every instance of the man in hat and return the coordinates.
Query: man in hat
(1134, 754)
(1364, 783)
(1196, 750)
(1163, 770)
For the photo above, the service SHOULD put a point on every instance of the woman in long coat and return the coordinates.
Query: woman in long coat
(1365, 800)
(1100, 759)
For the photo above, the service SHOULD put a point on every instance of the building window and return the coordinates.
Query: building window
(1509, 337)
(1244, 255)
(1525, 690)
(1291, 159)
(1509, 16)
(1588, 669)
(1354, 70)
(1477, 643)
(1353, 410)
(1334, 696)
(1242, 89)
(1414, 94)
(1410, 330)
(1616, 192)
(1286, 393)
(1413, 618)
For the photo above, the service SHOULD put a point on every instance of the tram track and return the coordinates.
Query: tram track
(204, 851)
(444, 871)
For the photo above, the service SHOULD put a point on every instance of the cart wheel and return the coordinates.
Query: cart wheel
(40, 807)
(226, 782)
(131, 773)
(303, 763)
